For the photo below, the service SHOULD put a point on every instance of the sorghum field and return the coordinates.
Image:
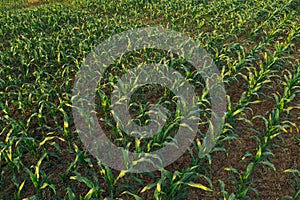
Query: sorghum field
(255, 46)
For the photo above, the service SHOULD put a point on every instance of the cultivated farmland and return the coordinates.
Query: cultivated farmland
(255, 45)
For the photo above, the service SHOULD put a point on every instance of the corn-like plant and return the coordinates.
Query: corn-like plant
(43, 44)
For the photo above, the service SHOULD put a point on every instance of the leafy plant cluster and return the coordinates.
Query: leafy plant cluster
(255, 45)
